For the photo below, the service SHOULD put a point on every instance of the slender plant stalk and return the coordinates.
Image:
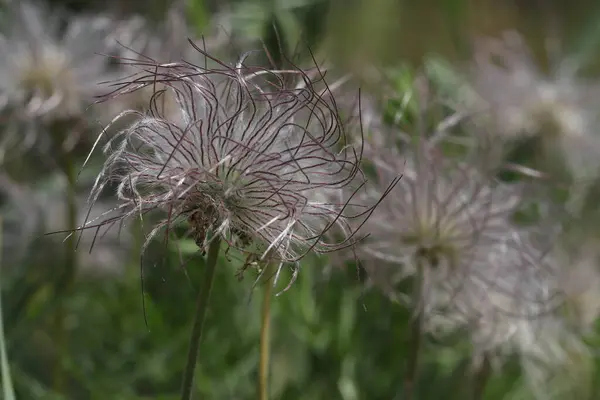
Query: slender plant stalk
(265, 335)
(8, 391)
(481, 376)
(414, 342)
(67, 278)
(413, 358)
(201, 307)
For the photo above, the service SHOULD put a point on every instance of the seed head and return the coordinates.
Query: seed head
(557, 109)
(51, 73)
(453, 228)
(440, 213)
(248, 159)
(509, 288)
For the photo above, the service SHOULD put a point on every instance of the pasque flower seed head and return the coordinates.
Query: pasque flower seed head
(438, 214)
(452, 228)
(51, 72)
(249, 158)
(557, 108)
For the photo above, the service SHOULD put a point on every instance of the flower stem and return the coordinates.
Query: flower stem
(7, 383)
(414, 341)
(265, 336)
(481, 375)
(67, 278)
(201, 307)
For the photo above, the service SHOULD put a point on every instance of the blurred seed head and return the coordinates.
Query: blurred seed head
(454, 228)
(249, 158)
(514, 303)
(52, 72)
(509, 288)
(438, 214)
(557, 108)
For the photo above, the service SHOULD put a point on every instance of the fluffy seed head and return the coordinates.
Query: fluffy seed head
(440, 212)
(250, 158)
(557, 109)
(507, 290)
(453, 229)
(51, 73)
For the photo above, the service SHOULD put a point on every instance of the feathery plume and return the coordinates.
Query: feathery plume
(508, 290)
(453, 228)
(249, 159)
(51, 72)
(556, 109)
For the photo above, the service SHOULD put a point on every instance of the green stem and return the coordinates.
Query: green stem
(67, 278)
(265, 336)
(481, 376)
(414, 342)
(7, 383)
(201, 307)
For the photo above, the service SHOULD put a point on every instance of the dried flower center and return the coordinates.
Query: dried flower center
(202, 220)
(210, 206)
(433, 241)
(42, 75)
(37, 80)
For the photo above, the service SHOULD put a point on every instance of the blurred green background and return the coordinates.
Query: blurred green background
(333, 336)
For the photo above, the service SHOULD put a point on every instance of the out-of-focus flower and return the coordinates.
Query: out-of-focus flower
(51, 72)
(509, 289)
(452, 229)
(480, 272)
(438, 214)
(557, 108)
(248, 159)
(515, 303)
